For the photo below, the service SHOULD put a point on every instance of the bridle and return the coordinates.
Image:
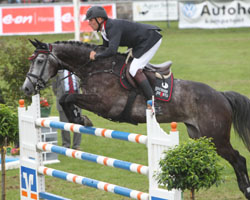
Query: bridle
(40, 82)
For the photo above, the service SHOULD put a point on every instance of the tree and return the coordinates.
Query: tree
(8, 134)
(13, 69)
(193, 165)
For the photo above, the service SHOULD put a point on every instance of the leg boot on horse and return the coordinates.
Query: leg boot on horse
(144, 84)
(71, 111)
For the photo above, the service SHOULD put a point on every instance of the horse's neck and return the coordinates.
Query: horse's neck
(71, 56)
(75, 58)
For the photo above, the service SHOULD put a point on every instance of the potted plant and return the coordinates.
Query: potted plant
(45, 107)
(192, 165)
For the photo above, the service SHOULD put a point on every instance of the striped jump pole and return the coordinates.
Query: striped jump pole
(32, 170)
(131, 137)
(111, 162)
(134, 194)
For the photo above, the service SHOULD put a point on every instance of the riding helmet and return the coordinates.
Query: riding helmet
(96, 11)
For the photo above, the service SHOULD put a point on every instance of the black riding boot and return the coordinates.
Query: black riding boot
(144, 84)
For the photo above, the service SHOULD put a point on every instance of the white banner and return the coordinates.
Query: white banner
(155, 11)
(214, 14)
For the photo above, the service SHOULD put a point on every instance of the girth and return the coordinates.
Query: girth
(125, 115)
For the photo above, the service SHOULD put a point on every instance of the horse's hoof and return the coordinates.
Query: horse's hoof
(83, 120)
(86, 121)
(247, 193)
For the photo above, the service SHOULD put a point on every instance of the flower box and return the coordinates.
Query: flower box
(45, 108)
(45, 111)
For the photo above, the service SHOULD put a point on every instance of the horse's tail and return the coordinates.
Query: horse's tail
(241, 115)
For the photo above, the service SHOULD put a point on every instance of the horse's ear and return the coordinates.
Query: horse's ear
(41, 44)
(33, 43)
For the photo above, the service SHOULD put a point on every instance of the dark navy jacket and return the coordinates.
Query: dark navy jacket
(140, 37)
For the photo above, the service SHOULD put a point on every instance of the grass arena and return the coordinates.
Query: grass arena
(218, 58)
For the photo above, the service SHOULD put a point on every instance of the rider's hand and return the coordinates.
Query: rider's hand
(92, 55)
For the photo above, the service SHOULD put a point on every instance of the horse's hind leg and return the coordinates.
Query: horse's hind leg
(239, 164)
(68, 101)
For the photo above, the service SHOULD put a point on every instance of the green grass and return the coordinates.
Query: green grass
(219, 58)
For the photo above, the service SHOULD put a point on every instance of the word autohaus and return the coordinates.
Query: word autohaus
(224, 10)
(215, 15)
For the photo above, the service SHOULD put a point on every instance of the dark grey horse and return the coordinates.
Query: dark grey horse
(203, 110)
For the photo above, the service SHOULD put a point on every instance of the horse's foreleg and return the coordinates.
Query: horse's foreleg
(68, 102)
(239, 164)
(89, 101)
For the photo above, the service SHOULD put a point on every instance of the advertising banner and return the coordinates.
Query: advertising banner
(67, 17)
(155, 10)
(214, 14)
(34, 19)
(44, 19)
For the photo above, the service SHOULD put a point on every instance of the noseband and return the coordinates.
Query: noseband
(40, 82)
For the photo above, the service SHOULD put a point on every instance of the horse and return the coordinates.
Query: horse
(203, 110)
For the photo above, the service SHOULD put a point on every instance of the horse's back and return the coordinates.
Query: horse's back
(198, 105)
(185, 90)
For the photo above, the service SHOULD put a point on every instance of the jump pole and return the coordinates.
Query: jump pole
(32, 170)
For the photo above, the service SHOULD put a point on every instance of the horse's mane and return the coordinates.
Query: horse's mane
(87, 45)
(77, 43)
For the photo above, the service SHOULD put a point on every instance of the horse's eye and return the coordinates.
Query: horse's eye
(39, 61)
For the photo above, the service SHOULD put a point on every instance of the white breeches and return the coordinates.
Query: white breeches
(140, 63)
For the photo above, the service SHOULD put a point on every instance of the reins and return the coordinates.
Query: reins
(111, 71)
(71, 73)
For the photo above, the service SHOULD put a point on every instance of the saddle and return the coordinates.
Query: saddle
(152, 71)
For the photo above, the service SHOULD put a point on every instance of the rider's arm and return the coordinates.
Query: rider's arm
(114, 36)
(93, 53)
(105, 43)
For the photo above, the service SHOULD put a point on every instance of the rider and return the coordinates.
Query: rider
(144, 40)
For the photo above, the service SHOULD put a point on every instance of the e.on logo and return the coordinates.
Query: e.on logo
(28, 20)
(67, 18)
(9, 19)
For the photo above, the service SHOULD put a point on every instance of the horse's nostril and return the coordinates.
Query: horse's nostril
(26, 89)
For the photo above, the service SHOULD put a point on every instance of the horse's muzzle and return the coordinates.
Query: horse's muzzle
(28, 88)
